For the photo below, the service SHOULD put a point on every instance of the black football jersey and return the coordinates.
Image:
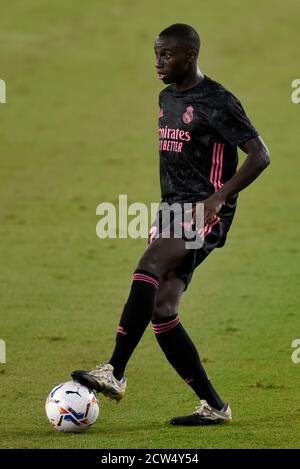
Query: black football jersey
(199, 132)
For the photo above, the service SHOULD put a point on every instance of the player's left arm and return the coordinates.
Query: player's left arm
(258, 158)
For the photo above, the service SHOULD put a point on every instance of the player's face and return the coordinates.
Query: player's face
(172, 60)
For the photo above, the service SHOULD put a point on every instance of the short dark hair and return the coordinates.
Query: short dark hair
(184, 33)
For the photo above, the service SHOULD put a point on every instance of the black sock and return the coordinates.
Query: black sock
(135, 319)
(183, 356)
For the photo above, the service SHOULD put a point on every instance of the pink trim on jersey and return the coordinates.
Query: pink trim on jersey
(120, 330)
(208, 227)
(217, 165)
(145, 278)
(165, 326)
(213, 164)
(221, 166)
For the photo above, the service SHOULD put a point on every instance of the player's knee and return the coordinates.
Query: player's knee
(163, 310)
(150, 264)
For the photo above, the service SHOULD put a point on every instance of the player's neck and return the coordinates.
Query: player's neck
(191, 80)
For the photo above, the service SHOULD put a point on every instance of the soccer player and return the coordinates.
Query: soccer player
(201, 126)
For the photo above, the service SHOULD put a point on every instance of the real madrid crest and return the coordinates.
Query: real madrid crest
(188, 115)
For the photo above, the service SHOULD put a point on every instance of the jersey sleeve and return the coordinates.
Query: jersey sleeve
(232, 122)
(160, 99)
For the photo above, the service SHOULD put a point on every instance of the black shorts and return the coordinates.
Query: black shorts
(213, 236)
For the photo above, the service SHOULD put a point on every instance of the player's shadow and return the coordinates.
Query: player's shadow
(118, 428)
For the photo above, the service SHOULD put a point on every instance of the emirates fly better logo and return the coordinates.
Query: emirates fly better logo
(172, 139)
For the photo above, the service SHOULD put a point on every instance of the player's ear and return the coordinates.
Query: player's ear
(192, 55)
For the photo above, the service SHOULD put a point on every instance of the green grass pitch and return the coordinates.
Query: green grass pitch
(79, 128)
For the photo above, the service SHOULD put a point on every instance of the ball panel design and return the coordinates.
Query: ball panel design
(71, 407)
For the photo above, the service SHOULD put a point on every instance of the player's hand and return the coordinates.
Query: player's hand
(212, 205)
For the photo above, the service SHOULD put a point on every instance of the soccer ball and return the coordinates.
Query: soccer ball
(71, 407)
